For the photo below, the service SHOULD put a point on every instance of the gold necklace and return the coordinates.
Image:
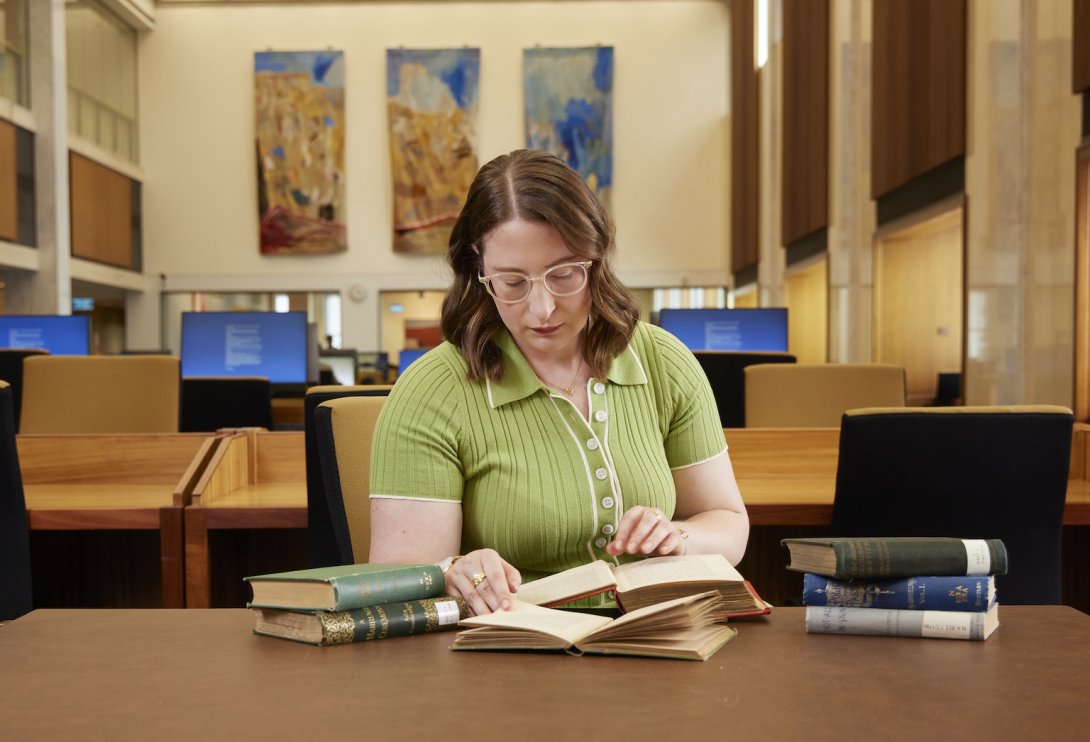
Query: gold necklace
(569, 390)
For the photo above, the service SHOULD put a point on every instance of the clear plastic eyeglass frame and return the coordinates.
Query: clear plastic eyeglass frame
(566, 279)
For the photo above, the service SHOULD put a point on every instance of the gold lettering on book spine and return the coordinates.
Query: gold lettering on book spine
(372, 625)
(338, 627)
(383, 620)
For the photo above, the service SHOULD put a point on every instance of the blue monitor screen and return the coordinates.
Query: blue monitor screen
(269, 344)
(407, 356)
(763, 329)
(61, 335)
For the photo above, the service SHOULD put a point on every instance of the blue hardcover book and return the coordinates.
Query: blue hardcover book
(958, 593)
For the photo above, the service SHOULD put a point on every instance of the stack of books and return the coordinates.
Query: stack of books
(353, 603)
(920, 587)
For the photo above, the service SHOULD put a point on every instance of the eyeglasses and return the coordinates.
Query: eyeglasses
(561, 280)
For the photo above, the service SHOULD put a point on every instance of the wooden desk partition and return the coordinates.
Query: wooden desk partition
(254, 479)
(116, 482)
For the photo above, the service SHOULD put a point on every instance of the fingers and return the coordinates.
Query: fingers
(645, 531)
(484, 580)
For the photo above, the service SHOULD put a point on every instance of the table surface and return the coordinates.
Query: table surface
(187, 674)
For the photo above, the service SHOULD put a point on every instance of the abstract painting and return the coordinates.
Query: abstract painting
(431, 98)
(299, 105)
(568, 95)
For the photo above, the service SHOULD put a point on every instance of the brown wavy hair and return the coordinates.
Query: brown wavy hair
(533, 186)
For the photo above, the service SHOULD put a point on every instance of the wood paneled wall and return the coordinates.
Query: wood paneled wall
(745, 139)
(918, 301)
(918, 81)
(102, 213)
(1080, 51)
(805, 164)
(9, 184)
(807, 293)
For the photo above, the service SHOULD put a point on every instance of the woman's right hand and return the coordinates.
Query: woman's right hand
(484, 580)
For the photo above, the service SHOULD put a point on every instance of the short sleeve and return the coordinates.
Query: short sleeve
(415, 449)
(693, 431)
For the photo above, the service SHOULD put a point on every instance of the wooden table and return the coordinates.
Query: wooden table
(787, 476)
(200, 674)
(115, 482)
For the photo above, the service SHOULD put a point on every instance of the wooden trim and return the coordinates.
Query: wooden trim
(172, 556)
(918, 106)
(805, 135)
(745, 139)
(9, 184)
(102, 213)
(1082, 284)
(1080, 46)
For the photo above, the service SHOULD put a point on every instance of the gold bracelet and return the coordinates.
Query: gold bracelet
(447, 563)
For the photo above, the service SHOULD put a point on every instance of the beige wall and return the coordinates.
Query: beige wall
(196, 81)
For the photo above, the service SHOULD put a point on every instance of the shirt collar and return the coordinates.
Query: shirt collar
(519, 380)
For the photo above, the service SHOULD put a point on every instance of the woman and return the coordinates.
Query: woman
(552, 428)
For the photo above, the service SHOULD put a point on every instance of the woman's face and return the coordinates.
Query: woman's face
(542, 324)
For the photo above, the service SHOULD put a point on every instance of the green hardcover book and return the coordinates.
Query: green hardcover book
(847, 558)
(344, 588)
(386, 621)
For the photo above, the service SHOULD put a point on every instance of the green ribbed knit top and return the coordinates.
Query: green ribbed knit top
(536, 481)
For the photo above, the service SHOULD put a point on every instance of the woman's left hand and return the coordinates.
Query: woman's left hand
(646, 531)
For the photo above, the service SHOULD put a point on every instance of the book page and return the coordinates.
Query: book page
(667, 569)
(576, 582)
(565, 625)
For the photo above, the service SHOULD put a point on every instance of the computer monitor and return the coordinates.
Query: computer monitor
(763, 329)
(374, 360)
(342, 362)
(407, 356)
(60, 334)
(269, 344)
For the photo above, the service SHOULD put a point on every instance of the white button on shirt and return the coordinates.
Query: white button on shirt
(600, 416)
(599, 387)
(607, 502)
(601, 473)
(600, 543)
(592, 444)
(608, 529)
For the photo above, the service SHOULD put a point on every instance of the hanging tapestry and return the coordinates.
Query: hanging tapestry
(431, 100)
(568, 95)
(299, 105)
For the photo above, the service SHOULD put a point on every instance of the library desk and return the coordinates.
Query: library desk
(115, 482)
(199, 674)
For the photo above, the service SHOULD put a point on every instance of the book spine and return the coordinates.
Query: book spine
(890, 622)
(962, 593)
(879, 557)
(391, 620)
(356, 591)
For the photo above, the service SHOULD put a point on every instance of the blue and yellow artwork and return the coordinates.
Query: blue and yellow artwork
(299, 106)
(431, 100)
(568, 96)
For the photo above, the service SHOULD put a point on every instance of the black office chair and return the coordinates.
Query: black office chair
(211, 403)
(726, 374)
(966, 472)
(11, 371)
(15, 583)
(948, 389)
(323, 549)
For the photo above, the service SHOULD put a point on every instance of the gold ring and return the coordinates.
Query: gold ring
(479, 578)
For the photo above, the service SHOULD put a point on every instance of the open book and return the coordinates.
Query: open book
(683, 629)
(649, 581)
